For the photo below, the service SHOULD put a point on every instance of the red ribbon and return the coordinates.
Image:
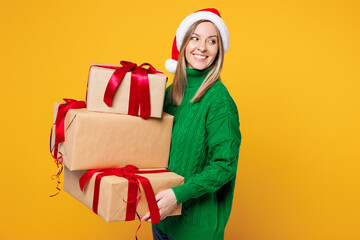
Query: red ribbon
(130, 173)
(139, 88)
(60, 134)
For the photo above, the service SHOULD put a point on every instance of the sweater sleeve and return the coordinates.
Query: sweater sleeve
(223, 142)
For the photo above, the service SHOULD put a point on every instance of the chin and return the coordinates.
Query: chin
(199, 66)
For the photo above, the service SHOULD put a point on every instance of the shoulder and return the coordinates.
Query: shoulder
(167, 90)
(222, 120)
(218, 90)
(166, 100)
(220, 101)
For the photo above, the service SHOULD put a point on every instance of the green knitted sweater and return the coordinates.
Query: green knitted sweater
(204, 149)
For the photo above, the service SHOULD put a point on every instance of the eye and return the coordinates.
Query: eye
(212, 41)
(194, 38)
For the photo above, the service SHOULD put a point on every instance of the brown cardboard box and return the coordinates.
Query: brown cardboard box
(105, 140)
(98, 80)
(114, 190)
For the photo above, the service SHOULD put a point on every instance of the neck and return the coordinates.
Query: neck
(196, 77)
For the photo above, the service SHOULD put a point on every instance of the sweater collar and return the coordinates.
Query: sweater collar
(196, 77)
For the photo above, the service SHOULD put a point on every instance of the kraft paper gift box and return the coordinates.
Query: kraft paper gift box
(114, 191)
(97, 83)
(105, 140)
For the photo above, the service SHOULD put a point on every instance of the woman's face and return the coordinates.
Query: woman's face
(203, 46)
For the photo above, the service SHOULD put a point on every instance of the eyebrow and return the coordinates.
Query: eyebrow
(207, 37)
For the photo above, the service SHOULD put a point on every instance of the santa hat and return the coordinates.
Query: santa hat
(210, 14)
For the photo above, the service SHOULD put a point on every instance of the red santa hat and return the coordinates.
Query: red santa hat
(210, 14)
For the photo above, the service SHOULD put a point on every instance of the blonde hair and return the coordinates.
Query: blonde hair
(177, 89)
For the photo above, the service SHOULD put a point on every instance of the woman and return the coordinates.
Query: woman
(206, 138)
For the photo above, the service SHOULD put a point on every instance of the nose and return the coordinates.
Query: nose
(202, 46)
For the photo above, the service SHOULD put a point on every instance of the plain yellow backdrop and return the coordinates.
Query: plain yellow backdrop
(292, 69)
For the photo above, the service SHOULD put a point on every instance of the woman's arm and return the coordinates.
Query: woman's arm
(223, 142)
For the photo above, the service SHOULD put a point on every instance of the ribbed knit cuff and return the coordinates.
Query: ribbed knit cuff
(182, 193)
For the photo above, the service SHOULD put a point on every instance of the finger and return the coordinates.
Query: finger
(159, 196)
(149, 220)
(163, 216)
(162, 213)
(146, 217)
(161, 202)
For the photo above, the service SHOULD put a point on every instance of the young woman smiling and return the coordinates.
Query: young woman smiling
(206, 137)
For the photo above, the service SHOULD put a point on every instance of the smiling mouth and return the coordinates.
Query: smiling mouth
(201, 57)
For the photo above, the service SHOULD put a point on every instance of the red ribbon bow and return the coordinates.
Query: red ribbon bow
(139, 88)
(130, 173)
(60, 134)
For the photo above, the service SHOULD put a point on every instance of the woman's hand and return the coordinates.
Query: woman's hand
(167, 203)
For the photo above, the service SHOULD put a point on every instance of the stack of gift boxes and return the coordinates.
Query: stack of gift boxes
(106, 151)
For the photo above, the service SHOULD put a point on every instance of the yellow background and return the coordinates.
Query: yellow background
(292, 69)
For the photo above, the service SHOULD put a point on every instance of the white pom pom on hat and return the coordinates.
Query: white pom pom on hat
(210, 14)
